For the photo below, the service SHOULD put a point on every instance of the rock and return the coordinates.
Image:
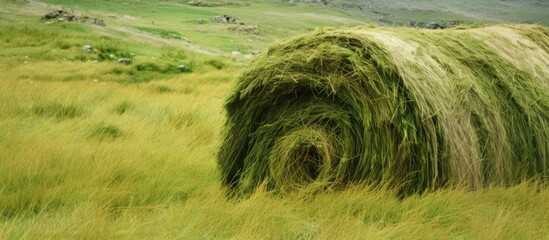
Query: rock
(125, 61)
(71, 18)
(200, 21)
(94, 21)
(383, 19)
(100, 22)
(65, 16)
(225, 19)
(54, 15)
(291, 3)
(434, 25)
(196, 3)
(254, 29)
(236, 53)
(255, 52)
(431, 25)
(183, 68)
(325, 2)
(412, 23)
(111, 56)
(87, 49)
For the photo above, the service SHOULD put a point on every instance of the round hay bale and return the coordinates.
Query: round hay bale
(409, 109)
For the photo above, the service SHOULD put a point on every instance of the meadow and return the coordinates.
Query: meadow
(94, 149)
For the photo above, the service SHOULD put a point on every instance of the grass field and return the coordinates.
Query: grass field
(102, 150)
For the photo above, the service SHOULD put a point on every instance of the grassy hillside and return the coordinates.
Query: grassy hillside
(275, 20)
(400, 12)
(94, 149)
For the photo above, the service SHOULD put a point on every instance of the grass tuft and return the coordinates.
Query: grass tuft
(216, 63)
(105, 132)
(123, 107)
(56, 110)
(163, 89)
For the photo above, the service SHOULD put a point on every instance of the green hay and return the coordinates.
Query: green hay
(413, 110)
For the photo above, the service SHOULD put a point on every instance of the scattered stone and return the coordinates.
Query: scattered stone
(195, 3)
(413, 23)
(434, 25)
(65, 16)
(125, 61)
(95, 21)
(95, 61)
(87, 49)
(225, 19)
(183, 68)
(324, 2)
(236, 53)
(255, 52)
(383, 19)
(55, 14)
(291, 3)
(254, 29)
(198, 3)
(200, 21)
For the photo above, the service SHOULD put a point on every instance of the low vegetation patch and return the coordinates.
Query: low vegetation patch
(163, 89)
(123, 107)
(164, 33)
(105, 132)
(57, 110)
(113, 52)
(216, 63)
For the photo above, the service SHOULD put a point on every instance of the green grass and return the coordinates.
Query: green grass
(162, 32)
(45, 46)
(110, 151)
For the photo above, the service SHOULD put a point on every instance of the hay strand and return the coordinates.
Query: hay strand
(409, 109)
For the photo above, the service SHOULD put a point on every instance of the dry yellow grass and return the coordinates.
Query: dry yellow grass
(158, 179)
